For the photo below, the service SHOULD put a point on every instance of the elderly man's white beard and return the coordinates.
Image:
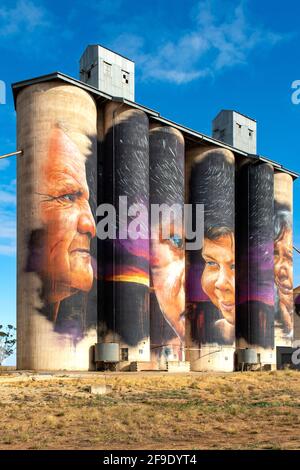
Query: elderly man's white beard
(169, 286)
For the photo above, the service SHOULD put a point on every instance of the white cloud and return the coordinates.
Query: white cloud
(8, 229)
(7, 197)
(8, 250)
(218, 38)
(8, 219)
(24, 16)
(4, 163)
(8, 222)
(231, 38)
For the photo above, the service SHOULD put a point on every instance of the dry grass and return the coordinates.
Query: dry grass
(253, 410)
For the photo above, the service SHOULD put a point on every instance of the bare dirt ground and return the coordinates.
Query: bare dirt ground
(250, 410)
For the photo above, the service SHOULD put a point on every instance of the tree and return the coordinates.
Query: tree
(7, 341)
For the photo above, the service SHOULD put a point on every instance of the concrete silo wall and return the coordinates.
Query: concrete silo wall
(210, 283)
(255, 260)
(56, 297)
(296, 314)
(128, 287)
(283, 258)
(167, 253)
(125, 318)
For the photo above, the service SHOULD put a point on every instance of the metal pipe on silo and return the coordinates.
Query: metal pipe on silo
(125, 318)
(11, 154)
(255, 260)
(56, 296)
(283, 258)
(210, 284)
(167, 255)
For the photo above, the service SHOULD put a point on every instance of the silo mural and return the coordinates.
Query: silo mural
(57, 312)
(157, 297)
(255, 260)
(167, 254)
(125, 316)
(283, 258)
(297, 304)
(296, 317)
(210, 332)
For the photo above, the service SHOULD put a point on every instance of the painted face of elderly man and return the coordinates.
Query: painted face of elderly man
(167, 258)
(283, 264)
(65, 264)
(168, 275)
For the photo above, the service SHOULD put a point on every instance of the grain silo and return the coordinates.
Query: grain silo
(210, 329)
(283, 258)
(125, 318)
(90, 157)
(56, 226)
(255, 262)
(167, 250)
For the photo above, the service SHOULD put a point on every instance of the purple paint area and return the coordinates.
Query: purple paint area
(139, 248)
(194, 291)
(113, 271)
(257, 283)
(75, 331)
(132, 259)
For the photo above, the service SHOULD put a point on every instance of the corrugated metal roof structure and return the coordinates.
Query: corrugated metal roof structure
(193, 136)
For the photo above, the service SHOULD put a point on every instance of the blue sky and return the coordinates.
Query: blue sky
(192, 57)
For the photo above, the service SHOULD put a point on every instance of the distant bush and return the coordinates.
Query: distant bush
(7, 341)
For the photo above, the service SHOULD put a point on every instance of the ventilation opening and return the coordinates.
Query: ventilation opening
(125, 77)
(124, 354)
